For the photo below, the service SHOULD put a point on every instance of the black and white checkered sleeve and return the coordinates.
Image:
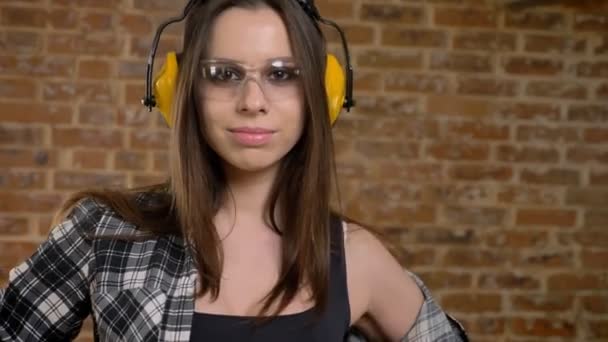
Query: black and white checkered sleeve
(47, 296)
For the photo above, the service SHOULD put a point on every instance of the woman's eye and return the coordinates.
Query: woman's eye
(279, 75)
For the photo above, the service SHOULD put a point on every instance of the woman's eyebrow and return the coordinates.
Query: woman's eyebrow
(268, 60)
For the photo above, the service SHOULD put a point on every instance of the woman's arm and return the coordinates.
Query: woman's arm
(397, 305)
(47, 295)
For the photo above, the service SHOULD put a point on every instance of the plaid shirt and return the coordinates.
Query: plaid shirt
(135, 290)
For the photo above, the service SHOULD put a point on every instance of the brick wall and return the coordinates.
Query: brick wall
(478, 143)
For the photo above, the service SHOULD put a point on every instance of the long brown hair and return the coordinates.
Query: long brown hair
(187, 203)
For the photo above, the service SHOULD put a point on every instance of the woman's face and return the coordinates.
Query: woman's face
(252, 102)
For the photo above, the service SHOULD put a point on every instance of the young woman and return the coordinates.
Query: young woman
(240, 244)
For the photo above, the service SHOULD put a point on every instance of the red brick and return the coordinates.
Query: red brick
(461, 62)
(446, 280)
(598, 178)
(547, 217)
(422, 83)
(458, 106)
(393, 215)
(411, 171)
(36, 66)
(530, 195)
(487, 86)
(336, 9)
(88, 3)
(21, 42)
(485, 41)
(367, 81)
(85, 45)
(593, 69)
(139, 46)
(150, 140)
(467, 130)
(446, 236)
(135, 24)
(528, 133)
(95, 69)
(23, 17)
(551, 176)
(596, 304)
(449, 151)
(480, 172)
(128, 160)
(97, 21)
(554, 44)
(460, 193)
(595, 219)
(601, 92)
(589, 197)
(160, 161)
(557, 89)
(18, 88)
(465, 17)
(98, 115)
(528, 111)
(532, 66)
(89, 159)
(586, 155)
(21, 135)
(376, 58)
(518, 239)
(13, 225)
(587, 238)
(73, 180)
(506, 280)
(95, 138)
(527, 154)
(358, 34)
(483, 326)
(474, 216)
(598, 328)
(535, 20)
(89, 92)
(61, 18)
(588, 113)
(591, 22)
(407, 37)
(543, 260)
(35, 113)
(416, 257)
(471, 303)
(575, 282)
(154, 5)
(596, 135)
(28, 158)
(390, 149)
(388, 13)
(31, 202)
(542, 303)
(542, 327)
(22, 180)
(131, 70)
(13, 253)
(594, 259)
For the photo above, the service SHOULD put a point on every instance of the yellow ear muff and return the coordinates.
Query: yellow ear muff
(334, 87)
(166, 81)
(164, 86)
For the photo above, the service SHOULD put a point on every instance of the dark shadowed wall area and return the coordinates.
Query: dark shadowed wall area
(479, 144)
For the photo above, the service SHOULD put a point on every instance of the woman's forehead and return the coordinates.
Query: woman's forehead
(249, 35)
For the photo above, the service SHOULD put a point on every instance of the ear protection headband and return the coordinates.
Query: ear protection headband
(338, 85)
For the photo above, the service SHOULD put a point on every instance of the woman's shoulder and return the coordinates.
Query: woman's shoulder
(94, 216)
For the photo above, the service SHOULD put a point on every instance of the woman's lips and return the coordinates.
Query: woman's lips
(251, 136)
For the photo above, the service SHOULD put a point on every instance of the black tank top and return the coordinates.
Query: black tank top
(331, 325)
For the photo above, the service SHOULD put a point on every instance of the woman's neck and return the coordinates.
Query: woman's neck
(248, 193)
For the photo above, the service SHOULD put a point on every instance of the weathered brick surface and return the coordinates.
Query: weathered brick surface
(479, 143)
